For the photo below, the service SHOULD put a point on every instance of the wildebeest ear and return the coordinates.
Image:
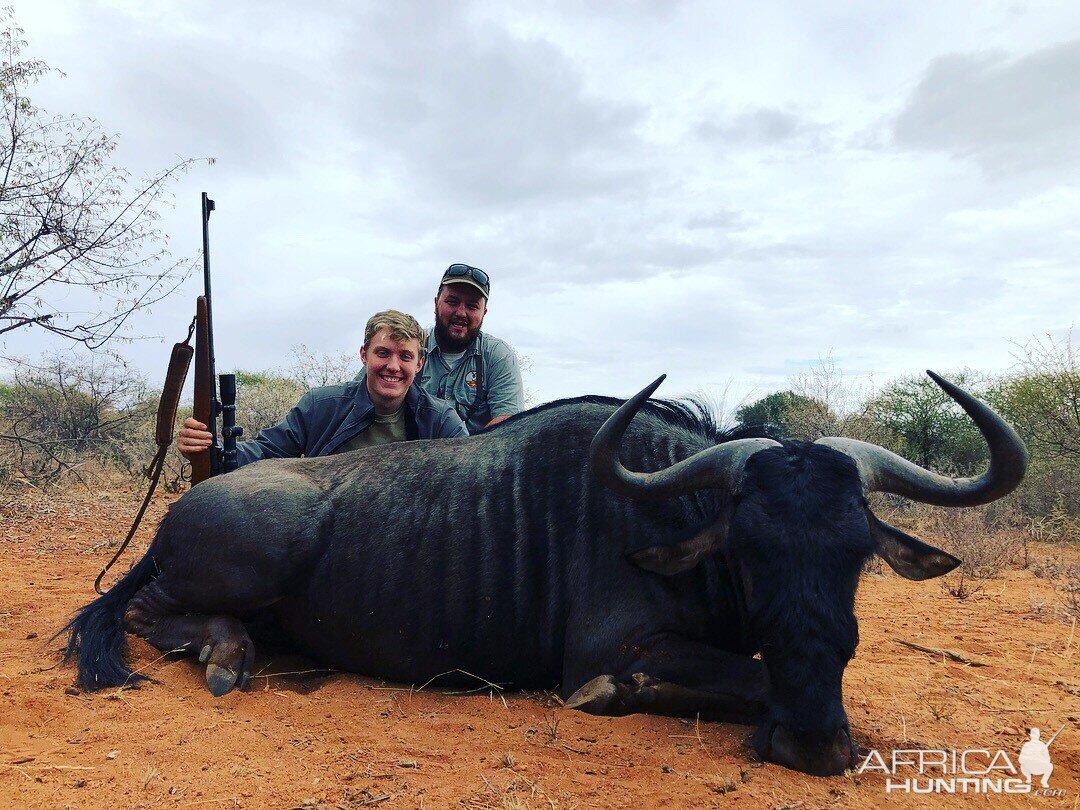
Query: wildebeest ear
(682, 556)
(909, 557)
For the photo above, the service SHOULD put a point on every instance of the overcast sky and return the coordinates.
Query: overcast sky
(726, 192)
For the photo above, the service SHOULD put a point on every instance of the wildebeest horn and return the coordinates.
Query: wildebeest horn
(716, 467)
(883, 471)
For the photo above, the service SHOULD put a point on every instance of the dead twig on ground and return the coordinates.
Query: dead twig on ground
(942, 653)
(20, 770)
(434, 678)
(130, 684)
(320, 671)
(485, 684)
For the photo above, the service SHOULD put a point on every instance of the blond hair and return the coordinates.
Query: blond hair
(402, 327)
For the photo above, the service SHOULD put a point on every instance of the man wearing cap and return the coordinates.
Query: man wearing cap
(382, 406)
(474, 370)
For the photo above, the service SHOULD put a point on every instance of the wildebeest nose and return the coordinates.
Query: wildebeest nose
(813, 754)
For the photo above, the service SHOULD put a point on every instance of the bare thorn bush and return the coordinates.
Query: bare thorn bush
(70, 417)
(1068, 591)
(312, 369)
(80, 250)
(984, 550)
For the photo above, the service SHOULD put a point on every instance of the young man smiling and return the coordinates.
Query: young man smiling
(476, 371)
(381, 406)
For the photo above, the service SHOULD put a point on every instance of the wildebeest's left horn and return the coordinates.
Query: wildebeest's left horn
(884, 471)
(716, 467)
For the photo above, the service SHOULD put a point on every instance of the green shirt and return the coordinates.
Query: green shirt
(383, 430)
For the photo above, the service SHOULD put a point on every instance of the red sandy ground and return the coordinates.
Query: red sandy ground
(346, 741)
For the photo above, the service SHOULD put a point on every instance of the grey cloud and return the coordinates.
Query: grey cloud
(722, 220)
(471, 114)
(760, 127)
(187, 91)
(587, 245)
(369, 145)
(1011, 116)
(763, 125)
(685, 327)
(783, 250)
(207, 110)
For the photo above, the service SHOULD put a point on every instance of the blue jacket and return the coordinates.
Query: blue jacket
(326, 418)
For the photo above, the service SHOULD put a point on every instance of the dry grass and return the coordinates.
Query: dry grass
(1057, 527)
(1064, 578)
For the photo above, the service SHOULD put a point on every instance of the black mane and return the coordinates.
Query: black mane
(689, 414)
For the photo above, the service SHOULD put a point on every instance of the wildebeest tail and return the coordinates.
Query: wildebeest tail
(96, 633)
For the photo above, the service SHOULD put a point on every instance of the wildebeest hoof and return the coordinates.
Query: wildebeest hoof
(204, 653)
(595, 696)
(220, 680)
(602, 695)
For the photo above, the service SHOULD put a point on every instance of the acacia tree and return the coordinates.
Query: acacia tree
(922, 423)
(70, 220)
(784, 409)
(1043, 399)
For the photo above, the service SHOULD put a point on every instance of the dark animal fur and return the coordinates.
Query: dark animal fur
(501, 555)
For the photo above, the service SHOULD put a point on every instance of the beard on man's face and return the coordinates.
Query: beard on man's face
(448, 342)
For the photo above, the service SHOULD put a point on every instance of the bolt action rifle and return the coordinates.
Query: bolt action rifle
(221, 457)
(208, 408)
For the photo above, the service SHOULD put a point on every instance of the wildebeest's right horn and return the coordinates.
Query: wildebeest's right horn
(716, 467)
(884, 471)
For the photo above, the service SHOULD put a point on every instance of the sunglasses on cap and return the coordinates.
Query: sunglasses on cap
(465, 272)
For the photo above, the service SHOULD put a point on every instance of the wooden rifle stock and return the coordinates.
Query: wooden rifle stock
(201, 463)
(170, 393)
(179, 361)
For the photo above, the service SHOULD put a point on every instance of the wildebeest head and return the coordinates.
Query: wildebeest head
(795, 529)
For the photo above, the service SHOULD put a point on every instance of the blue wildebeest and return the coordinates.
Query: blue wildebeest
(530, 555)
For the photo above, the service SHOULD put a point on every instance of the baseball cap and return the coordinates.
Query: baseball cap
(464, 274)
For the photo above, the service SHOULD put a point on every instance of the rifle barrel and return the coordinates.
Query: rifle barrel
(207, 207)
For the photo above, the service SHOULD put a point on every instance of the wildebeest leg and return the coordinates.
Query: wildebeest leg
(680, 677)
(233, 546)
(222, 642)
(604, 695)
